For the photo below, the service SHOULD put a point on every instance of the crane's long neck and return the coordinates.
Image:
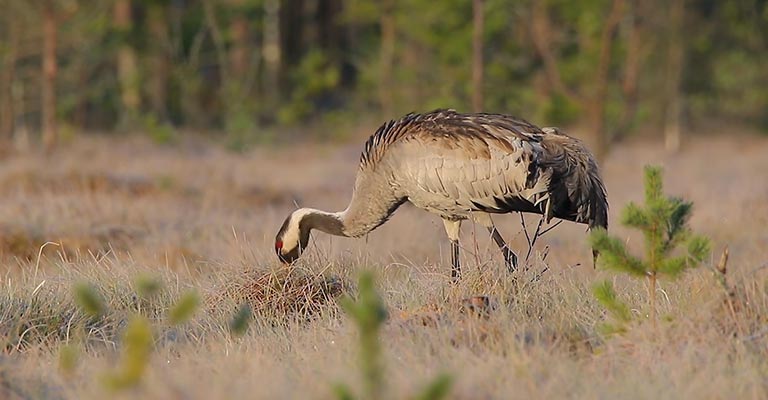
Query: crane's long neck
(368, 209)
(331, 223)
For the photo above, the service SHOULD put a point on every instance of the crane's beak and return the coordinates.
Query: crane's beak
(288, 258)
(595, 254)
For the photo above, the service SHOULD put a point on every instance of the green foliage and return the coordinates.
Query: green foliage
(185, 307)
(68, 359)
(314, 78)
(177, 67)
(664, 223)
(617, 309)
(438, 389)
(606, 296)
(137, 348)
(159, 132)
(147, 286)
(614, 254)
(238, 326)
(88, 299)
(560, 111)
(369, 313)
(137, 339)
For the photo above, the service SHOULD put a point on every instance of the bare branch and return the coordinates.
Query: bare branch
(525, 229)
(541, 36)
(536, 235)
(216, 35)
(544, 232)
(606, 42)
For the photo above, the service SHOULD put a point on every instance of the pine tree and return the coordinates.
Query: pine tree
(664, 223)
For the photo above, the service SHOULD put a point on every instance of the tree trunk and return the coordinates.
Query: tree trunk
(239, 53)
(632, 60)
(158, 63)
(271, 48)
(593, 101)
(7, 75)
(541, 37)
(291, 24)
(672, 98)
(596, 135)
(597, 100)
(50, 36)
(478, 26)
(127, 68)
(652, 298)
(387, 57)
(328, 29)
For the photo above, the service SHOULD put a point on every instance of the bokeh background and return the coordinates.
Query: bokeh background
(254, 72)
(167, 140)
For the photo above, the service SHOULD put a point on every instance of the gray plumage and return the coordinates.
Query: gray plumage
(463, 166)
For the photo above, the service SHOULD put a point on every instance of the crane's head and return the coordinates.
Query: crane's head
(293, 236)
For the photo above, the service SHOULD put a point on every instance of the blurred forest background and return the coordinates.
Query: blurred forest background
(253, 71)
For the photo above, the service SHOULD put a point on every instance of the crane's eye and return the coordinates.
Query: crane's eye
(278, 245)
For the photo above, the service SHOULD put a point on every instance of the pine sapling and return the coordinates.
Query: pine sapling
(664, 223)
(369, 314)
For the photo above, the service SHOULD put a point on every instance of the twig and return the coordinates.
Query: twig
(532, 243)
(40, 254)
(544, 232)
(525, 229)
(538, 276)
(541, 273)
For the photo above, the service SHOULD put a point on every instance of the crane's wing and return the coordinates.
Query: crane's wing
(498, 164)
(474, 162)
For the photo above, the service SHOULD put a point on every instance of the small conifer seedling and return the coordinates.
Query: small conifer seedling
(664, 223)
(369, 314)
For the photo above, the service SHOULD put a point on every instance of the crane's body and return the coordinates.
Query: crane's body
(461, 166)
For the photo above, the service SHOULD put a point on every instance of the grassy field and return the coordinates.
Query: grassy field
(199, 218)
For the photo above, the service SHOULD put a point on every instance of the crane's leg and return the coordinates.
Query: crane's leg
(510, 258)
(452, 228)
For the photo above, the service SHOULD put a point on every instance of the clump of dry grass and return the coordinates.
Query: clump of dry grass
(288, 291)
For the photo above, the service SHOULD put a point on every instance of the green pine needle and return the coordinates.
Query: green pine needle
(438, 389)
(240, 321)
(653, 183)
(608, 329)
(342, 392)
(368, 313)
(184, 308)
(673, 266)
(137, 348)
(68, 359)
(614, 254)
(606, 296)
(147, 286)
(698, 249)
(88, 299)
(635, 216)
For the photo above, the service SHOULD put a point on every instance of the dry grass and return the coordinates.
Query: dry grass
(199, 218)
